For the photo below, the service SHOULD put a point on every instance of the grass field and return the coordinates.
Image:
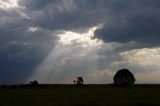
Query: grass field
(139, 96)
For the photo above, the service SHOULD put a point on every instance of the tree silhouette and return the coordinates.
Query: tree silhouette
(124, 77)
(79, 81)
(74, 81)
(34, 83)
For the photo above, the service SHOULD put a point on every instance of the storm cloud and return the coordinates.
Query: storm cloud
(54, 41)
(133, 21)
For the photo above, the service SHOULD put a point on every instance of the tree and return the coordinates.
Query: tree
(79, 81)
(74, 81)
(124, 77)
(34, 83)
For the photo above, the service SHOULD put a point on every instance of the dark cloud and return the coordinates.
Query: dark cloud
(65, 15)
(20, 49)
(15, 70)
(28, 34)
(124, 21)
(135, 21)
(36, 4)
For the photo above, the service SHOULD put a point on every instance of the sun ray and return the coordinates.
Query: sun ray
(65, 50)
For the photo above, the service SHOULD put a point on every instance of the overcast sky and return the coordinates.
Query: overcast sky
(54, 41)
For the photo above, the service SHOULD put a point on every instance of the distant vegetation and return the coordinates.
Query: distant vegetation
(34, 83)
(124, 78)
(79, 81)
(120, 93)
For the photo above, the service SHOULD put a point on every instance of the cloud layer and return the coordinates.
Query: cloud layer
(34, 36)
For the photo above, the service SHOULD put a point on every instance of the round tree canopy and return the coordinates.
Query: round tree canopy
(124, 77)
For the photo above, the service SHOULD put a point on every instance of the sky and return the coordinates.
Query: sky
(55, 41)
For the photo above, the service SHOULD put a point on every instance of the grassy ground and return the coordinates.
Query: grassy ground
(80, 96)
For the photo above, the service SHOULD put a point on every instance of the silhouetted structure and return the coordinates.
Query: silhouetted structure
(34, 83)
(124, 77)
(79, 81)
(74, 81)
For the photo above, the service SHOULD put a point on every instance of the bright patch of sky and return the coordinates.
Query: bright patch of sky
(8, 4)
(85, 39)
(32, 29)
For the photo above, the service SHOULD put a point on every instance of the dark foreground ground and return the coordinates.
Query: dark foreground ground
(80, 96)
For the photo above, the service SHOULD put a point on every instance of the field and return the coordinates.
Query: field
(98, 96)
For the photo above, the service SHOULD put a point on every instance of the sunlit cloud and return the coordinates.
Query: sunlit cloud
(84, 39)
(13, 7)
(8, 4)
(33, 29)
(143, 57)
